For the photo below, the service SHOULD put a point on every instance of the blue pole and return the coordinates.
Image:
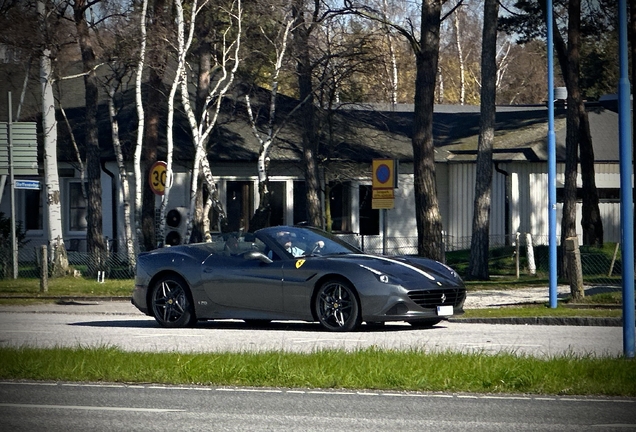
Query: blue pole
(627, 210)
(551, 162)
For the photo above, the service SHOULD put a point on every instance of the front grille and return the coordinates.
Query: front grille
(433, 298)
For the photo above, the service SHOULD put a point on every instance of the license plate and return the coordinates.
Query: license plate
(444, 310)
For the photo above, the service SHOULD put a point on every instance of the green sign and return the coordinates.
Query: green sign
(24, 145)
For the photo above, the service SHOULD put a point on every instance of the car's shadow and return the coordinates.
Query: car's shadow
(272, 326)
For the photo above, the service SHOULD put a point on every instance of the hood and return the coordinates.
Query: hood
(406, 269)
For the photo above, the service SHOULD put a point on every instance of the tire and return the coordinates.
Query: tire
(425, 323)
(171, 302)
(337, 307)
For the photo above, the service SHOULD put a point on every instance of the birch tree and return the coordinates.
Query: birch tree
(138, 238)
(266, 138)
(51, 177)
(182, 48)
(227, 61)
(460, 58)
(111, 89)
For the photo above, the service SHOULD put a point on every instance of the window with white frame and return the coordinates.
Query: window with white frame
(76, 207)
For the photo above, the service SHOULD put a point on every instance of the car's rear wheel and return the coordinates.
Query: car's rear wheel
(425, 323)
(337, 306)
(171, 303)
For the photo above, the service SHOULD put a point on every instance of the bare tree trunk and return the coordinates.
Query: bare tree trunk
(301, 34)
(393, 60)
(123, 178)
(261, 216)
(156, 99)
(460, 58)
(138, 233)
(479, 247)
(202, 127)
(178, 76)
(427, 215)
(591, 219)
(49, 126)
(590, 213)
(94, 239)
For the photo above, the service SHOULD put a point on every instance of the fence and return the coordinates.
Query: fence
(600, 266)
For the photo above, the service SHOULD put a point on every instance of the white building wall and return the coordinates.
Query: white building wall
(529, 201)
(458, 221)
(401, 219)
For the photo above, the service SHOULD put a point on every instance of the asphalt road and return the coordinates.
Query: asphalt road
(124, 327)
(97, 407)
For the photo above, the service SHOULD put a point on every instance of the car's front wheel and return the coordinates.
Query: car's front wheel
(171, 303)
(337, 306)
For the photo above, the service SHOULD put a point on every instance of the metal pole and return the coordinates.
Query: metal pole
(551, 162)
(14, 243)
(627, 210)
(384, 230)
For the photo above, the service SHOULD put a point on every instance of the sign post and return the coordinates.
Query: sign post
(18, 156)
(383, 191)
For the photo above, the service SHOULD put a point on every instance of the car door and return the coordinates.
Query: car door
(239, 283)
(299, 276)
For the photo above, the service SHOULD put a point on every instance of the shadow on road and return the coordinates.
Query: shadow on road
(240, 325)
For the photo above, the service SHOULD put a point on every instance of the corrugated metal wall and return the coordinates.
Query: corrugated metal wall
(460, 197)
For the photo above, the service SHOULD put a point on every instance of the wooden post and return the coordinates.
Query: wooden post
(575, 270)
(532, 267)
(517, 257)
(44, 270)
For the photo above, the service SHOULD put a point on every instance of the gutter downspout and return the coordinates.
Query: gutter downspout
(506, 203)
(113, 207)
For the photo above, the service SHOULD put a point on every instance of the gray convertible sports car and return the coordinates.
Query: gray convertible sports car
(292, 273)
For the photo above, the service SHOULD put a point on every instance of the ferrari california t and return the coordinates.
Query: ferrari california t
(292, 273)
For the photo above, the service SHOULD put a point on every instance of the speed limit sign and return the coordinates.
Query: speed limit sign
(158, 177)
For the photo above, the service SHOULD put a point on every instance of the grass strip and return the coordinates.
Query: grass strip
(371, 368)
(540, 311)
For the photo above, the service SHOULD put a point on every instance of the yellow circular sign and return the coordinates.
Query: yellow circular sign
(158, 177)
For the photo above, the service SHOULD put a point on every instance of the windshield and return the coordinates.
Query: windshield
(296, 242)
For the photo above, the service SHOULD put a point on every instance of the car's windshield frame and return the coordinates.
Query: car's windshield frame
(308, 241)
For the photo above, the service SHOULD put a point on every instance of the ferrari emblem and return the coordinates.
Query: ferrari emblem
(299, 263)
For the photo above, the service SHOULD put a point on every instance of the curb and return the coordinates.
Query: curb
(565, 321)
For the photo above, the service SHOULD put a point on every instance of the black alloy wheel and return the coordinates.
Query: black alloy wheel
(171, 302)
(337, 306)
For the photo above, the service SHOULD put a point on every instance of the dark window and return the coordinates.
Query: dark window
(604, 194)
(277, 203)
(240, 205)
(33, 209)
(300, 202)
(369, 218)
(77, 208)
(340, 206)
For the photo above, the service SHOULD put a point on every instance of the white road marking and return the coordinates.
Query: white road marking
(309, 392)
(89, 408)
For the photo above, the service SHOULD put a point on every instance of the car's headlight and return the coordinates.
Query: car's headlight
(382, 277)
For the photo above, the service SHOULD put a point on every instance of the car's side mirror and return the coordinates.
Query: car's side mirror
(256, 255)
